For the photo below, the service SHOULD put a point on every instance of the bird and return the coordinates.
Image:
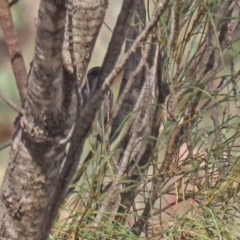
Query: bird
(90, 84)
(89, 87)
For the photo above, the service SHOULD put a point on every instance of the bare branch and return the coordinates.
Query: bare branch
(14, 51)
(36, 155)
(118, 38)
(10, 103)
(143, 36)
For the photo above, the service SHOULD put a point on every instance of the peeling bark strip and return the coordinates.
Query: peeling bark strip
(36, 155)
(87, 18)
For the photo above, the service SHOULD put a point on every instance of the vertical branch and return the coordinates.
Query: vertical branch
(118, 37)
(14, 51)
(87, 18)
(36, 155)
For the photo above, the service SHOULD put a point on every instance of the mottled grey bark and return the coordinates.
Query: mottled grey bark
(30, 186)
(36, 155)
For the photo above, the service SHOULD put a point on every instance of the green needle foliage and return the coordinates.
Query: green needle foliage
(186, 182)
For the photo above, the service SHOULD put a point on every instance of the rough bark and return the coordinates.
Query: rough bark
(29, 189)
(36, 155)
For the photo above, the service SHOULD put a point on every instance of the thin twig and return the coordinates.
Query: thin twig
(139, 123)
(159, 11)
(118, 37)
(10, 103)
(130, 81)
(143, 35)
(5, 146)
(14, 51)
